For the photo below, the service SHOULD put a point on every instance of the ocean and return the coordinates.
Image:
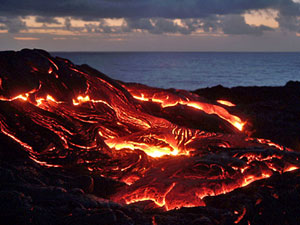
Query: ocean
(193, 70)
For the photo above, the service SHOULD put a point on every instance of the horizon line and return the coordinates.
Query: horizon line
(78, 51)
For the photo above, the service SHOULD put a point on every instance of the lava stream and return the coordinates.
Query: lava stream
(157, 141)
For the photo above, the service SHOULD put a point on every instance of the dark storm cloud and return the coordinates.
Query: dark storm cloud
(46, 20)
(158, 26)
(229, 24)
(93, 9)
(147, 25)
(236, 25)
(12, 24)
(152, 16)
(103, 27)
(288, 17)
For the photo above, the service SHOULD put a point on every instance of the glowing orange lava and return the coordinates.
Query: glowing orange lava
(137, 135)
(169, 101)
(227, 103)
(158, 145)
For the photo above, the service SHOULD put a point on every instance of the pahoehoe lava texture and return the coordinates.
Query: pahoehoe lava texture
(272, 111)
(78, 147)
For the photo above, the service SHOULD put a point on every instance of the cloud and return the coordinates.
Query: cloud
(94, 9)
(169, 26)
(236, 25)
(151, 16)
(290, 23)
(146, 25)
(46, 20)
(159, 26)
(103, 27)
(141, 24)
(12, 24)
(67, 23)
(288, 17)
(229, 24)
(208, 24)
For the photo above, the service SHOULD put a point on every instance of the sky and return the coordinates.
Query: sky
(150, 25)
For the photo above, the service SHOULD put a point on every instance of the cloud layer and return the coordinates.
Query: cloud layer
(151, 16)
(94, 9)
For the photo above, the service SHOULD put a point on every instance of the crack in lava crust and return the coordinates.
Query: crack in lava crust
(169, 146)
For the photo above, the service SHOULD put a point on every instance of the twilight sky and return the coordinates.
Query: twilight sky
(150, 25)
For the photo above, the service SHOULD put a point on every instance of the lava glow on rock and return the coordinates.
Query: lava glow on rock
(169, 146)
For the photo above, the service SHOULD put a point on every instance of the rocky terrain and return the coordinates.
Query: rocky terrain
(49, 177)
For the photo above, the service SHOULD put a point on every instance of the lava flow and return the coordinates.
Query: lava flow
(169, 146)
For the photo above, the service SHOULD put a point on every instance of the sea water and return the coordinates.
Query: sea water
(193, 70)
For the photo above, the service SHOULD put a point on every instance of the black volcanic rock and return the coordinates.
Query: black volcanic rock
(56, 183)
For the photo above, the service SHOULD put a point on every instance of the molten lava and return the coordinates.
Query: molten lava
(159, 142)
(168, 99)
(227, 103)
